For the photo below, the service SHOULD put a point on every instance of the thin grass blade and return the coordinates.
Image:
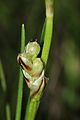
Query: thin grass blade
(20, 85)
(48, 30)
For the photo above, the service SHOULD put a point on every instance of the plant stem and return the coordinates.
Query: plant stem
(20, 85)
(33, 104)
(32, 107)
(48, 30)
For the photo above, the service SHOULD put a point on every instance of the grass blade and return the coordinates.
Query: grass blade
(20, 85)
(48, 30)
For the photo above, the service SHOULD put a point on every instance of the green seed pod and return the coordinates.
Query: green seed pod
(37, 67)
(33, 49)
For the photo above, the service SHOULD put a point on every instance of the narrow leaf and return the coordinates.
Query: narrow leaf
(20, 85)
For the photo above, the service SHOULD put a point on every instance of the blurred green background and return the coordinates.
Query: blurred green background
(61, 99)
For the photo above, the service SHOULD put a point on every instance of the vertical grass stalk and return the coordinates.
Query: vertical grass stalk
(48, 30)
(31, 110)
(33, 103)
(20, 86)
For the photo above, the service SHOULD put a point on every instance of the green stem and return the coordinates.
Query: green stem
(48, 30)
(32, 107)
(33, 104)
(20, 85)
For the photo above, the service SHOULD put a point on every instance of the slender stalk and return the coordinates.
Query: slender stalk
(48, 30)
(20, 85)
(32, 107)
(33, 104)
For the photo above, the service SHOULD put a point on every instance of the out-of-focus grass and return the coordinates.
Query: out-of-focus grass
(8, 112)
(4, 88)
(2, 78)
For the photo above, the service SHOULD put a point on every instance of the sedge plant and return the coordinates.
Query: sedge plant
(33, 67)
(46, 41)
